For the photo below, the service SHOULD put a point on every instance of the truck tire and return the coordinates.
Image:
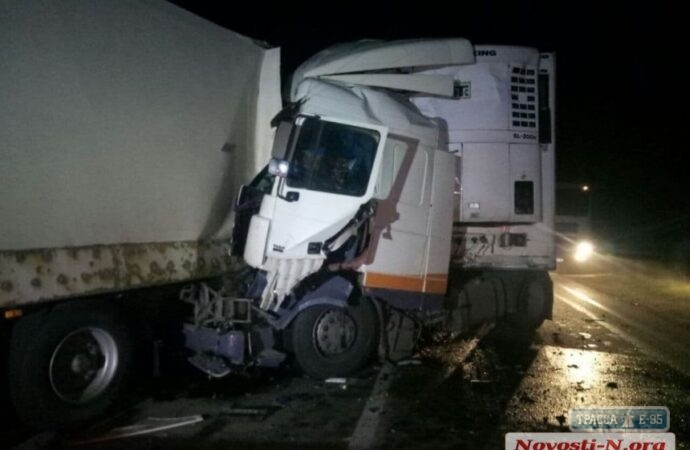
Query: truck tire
(533, 301)
(68, 365)
(331, 341)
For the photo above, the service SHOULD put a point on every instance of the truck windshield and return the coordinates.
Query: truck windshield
(332, 157)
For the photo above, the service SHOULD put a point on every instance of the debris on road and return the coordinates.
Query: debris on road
(145, 426)
(585, 336)
(481, 384)
(409, 362)
(260, 412)
(612, 385)
(335, 380)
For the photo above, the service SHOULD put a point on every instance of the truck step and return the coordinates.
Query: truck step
(212, 365)
(270, 358)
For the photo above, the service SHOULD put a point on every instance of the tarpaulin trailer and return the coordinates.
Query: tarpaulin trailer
(126, 127)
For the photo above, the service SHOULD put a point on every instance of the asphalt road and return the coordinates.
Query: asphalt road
(618, 338)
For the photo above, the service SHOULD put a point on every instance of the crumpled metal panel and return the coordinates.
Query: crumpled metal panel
(30, 276)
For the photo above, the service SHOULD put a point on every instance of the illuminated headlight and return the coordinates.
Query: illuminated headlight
(583, 251)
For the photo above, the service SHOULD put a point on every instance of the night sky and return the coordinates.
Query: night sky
(621, 82)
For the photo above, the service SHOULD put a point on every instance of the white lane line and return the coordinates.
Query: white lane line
(647, 349)
(626, 320)
(366, 432)
(586, 298)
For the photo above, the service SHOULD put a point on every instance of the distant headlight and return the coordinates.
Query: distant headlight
(583, 251)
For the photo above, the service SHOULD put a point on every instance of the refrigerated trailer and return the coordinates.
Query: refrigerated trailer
(126, 127)
(411, 186)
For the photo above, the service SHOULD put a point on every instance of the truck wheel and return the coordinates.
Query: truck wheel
(330, 341)
(533, 301)
(68, 365)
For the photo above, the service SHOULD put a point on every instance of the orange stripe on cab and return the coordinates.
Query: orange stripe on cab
(435, 283)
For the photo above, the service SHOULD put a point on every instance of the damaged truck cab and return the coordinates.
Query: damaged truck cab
(412, 185)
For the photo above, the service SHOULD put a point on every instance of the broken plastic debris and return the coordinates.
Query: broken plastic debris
(145, 426)
(409, 362)
(245, 411)
(585, 335)
(336, 380)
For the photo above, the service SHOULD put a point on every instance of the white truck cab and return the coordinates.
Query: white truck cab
(412, 184)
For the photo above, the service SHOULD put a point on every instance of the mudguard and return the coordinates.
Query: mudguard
(335, 291)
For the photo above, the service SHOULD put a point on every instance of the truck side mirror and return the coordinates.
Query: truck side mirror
(291, 196)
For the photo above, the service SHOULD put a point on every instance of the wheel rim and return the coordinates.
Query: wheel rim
(334, 332)
(83, 365)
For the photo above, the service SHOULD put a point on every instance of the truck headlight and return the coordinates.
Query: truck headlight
(583, 251)
(278, 167)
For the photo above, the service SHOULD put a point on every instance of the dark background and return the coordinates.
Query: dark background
(621, 84)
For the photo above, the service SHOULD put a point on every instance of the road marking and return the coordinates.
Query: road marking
(651, 351)
(366, 432)
(626, 320)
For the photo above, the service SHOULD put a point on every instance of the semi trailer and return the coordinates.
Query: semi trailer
(125, 128)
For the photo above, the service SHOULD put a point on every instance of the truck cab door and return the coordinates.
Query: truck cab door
(401, 237)
(331, 174)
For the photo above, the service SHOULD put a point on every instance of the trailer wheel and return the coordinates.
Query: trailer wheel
(68, 365)
(330, 341)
